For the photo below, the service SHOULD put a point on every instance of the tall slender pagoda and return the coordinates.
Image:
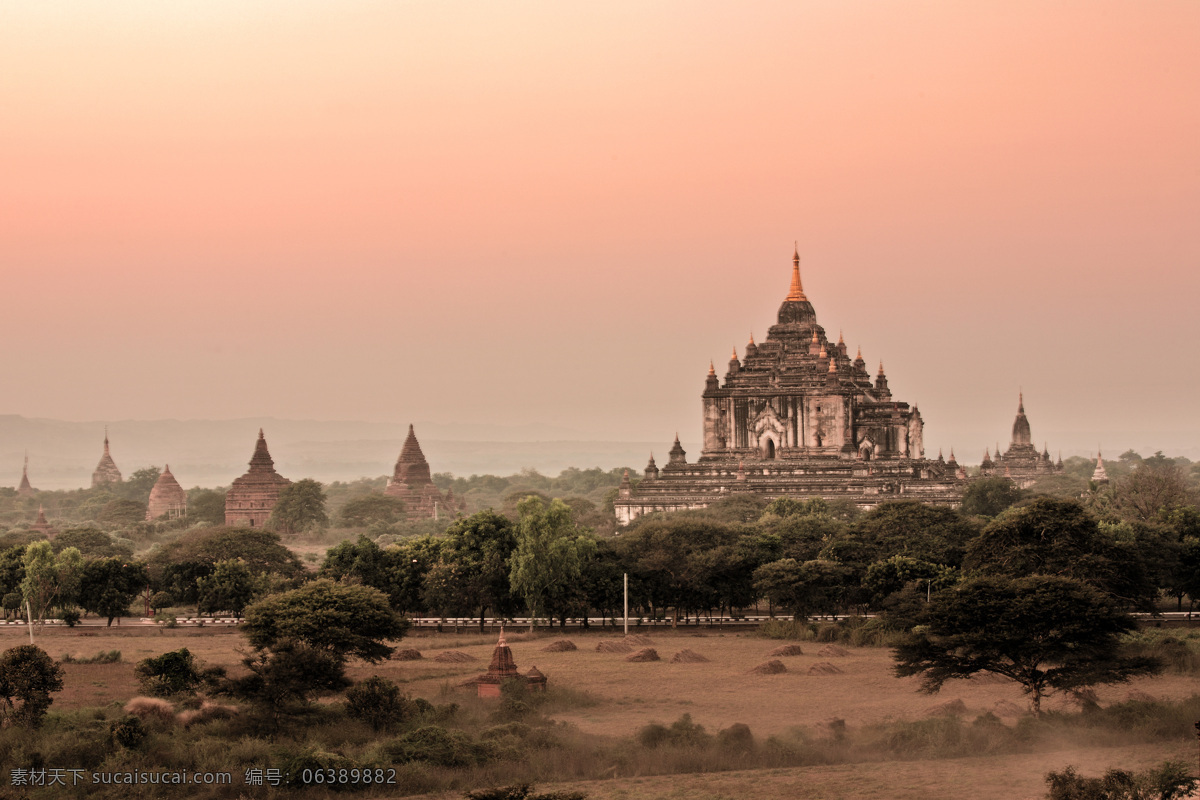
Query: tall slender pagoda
(106, 471)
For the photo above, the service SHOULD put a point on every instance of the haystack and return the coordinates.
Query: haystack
(645, 654)
(454, 657)
(833, 650)
(788, 650)
(774, 667)
(561, 646)
(637, 640)
(823, 668)
(407, 654)
(688, 657)
(613, 646)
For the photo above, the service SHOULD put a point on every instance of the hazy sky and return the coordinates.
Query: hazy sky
(558, 212)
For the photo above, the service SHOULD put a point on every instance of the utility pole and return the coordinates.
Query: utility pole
(626, 603)
(29, 619)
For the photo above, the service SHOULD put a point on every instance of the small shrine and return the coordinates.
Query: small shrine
(42, 526)
(502, 668)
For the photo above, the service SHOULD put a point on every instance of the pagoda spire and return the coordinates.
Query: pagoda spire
(796, 291)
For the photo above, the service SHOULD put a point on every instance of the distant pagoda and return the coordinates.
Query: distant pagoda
(252, 497)
(106, 471)
(412, 484)
(1021, 462)
(167, 498)
(42, 526)
(1100, 474)
(25, 489)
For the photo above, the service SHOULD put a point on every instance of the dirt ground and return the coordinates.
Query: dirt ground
(716, 694)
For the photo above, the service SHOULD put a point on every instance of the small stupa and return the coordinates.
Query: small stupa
(502, 668)
(42, 526)
(167, 498)
(25, 488)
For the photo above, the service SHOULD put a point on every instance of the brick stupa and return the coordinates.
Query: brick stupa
(252, 497)
(42, 526)
(106, 471)
(411, 483)
(167, 498)
(503, 668)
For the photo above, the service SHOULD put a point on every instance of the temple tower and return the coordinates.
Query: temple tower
(411, 483)
(106, 471)
(167, 498)
(25, 488)
(252, 497)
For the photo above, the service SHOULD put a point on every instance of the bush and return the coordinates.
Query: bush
(1168, 781)
(102, 657)
(522, 791)
(736, 738)
(377, 702)
(438, 746)
(682, 733)
(128, 732)
(27, 678)
(169, 674)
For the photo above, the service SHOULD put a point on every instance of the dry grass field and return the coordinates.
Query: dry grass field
(621, 697)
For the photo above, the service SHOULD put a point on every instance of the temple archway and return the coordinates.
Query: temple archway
(769, 450)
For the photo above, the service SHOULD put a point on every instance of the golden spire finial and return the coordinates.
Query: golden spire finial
(840, 339)
(734, 354)
(881, 366)
(796, 291)
(711, 371)
(751, 337)
(859, 356)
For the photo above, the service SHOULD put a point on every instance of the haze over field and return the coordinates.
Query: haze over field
(547, 217)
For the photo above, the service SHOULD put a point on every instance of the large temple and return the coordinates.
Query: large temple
(252, 497)
(797, 417)
(106, 471)
(1021, 462)
(411, 483)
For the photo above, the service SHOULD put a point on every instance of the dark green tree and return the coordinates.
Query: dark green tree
(122, 512)
(549, 555)
(300, 506)
(136, 487)
(1059, 537)
(230, 587)
(476, 551)
(206, 505)
(341, 621)
(28, 676)
(108, 585)
(1047, 634)
(260, 549)
(372, 509)
(170, 674)
(988, 497)
(91, 543)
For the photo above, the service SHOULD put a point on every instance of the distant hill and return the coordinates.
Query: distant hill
(62, 454)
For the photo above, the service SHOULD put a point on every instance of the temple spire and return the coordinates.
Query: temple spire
(796, 291)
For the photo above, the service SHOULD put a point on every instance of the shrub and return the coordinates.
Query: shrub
(27, 678)
(378, 702)
(102, 657)
(169, 674)
(437, 746)
(522, 791)
(1168, 781)
(736, 738)
(682, 733)
(150, 708)
(128, 732)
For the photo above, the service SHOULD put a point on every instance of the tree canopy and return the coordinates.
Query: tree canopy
(1046, 633)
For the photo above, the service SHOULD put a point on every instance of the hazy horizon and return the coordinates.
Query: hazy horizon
(543, 216)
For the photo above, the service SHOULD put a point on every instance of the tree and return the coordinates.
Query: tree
(806, 588)
(475, 551)
(50, 580)
(1153, 490)
(121, 512)
(27, 678)
(288, 674)
(91, 543)
(108, 585)
(1058, 537)
(342, 621)
(987, 497)
(1048, 634)
(137, 486)
(206, 505)
(372, 509)
(231, 587)
(549, 553)
(300, 506)
(260, 549)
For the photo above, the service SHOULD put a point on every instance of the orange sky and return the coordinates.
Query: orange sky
(519, 212)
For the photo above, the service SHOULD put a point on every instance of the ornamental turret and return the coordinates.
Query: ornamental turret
(25, 488)
(711, 381)
(651, 469)
(677, 454)
(1099, 475)
(1020, 430)
(881, 384)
